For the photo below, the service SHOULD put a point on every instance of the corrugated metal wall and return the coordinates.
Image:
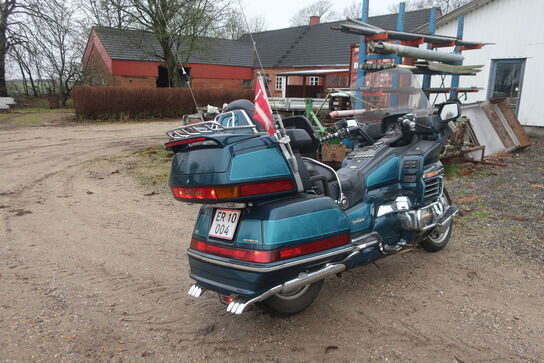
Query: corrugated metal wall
(516, 26)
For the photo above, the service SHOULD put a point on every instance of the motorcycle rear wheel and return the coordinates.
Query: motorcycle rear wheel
(436, 241)
(293, 302)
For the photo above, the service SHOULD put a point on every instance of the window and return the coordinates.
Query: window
(246, 83)
(506, 80)
(314, 81)
(280, 82)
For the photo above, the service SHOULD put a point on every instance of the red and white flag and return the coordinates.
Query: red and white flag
(263, 112)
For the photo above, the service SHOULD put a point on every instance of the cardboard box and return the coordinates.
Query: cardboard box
(332, 152)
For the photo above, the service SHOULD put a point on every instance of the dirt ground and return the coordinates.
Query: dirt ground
(93, 268)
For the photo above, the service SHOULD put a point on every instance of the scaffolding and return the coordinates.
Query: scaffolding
(402, 48)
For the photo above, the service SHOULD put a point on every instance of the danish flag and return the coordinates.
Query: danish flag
(263, 112)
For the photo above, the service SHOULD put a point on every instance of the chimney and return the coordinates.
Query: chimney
(315, 20)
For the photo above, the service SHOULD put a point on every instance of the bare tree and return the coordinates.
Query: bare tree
(8, 38)
(177, 25)
(353, 10)
(322, 8)
(235, 26)
(445, 5)
(56, 38)
(106, 13)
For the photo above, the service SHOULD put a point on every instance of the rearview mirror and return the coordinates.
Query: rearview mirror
(449, 111)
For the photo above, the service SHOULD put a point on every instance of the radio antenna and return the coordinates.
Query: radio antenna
(178, 58)
(282, 133)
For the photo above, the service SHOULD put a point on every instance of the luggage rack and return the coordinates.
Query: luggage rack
(205, 127)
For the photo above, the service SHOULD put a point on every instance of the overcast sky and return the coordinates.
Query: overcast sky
(278, 12)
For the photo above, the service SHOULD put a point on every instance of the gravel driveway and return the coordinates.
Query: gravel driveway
(92, 269)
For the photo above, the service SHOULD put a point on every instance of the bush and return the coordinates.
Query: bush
(118, 103)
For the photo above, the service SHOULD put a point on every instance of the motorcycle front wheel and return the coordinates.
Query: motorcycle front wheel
(293, 302)
(436, 240)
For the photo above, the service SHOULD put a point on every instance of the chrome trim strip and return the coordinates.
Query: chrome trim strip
(268, 269)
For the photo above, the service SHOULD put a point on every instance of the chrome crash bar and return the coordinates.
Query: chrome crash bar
(239, 304)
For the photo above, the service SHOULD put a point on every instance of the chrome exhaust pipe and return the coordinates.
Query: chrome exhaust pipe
(238, 305)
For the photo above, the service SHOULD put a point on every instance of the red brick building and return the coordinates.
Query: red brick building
(117, 57)
(301, 61)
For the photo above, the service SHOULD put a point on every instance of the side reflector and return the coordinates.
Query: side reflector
(312, 247)
(431, 174)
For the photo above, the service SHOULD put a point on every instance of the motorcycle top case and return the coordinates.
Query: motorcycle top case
(230, 168)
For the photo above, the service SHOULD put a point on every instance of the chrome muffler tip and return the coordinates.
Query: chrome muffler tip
(196, 291)
(236, 308)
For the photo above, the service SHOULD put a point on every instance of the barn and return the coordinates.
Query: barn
(298, 61)
(121, 57)
(512, 64)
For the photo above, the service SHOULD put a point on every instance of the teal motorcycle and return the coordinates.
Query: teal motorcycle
(275, 222)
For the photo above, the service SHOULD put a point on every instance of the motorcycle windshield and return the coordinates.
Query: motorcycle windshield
(388, 91)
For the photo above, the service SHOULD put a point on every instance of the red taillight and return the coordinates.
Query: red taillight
(185, 141)
(273, 255)
(307, 248)
(194, 193)
(235, 253)
(232, 192)
(266, 187)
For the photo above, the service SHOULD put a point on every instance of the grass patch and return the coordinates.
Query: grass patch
(151, 168)
(35, 116)
(452, 170)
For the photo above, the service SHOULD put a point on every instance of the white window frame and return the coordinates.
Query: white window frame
(313, 81)
(281, 85)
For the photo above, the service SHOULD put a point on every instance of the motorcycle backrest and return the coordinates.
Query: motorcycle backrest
(301, 141)
(302, 123)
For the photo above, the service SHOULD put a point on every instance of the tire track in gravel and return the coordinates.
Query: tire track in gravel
(109, 266)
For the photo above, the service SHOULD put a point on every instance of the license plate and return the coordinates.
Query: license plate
(224, 223)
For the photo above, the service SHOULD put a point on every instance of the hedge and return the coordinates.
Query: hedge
(119, 103)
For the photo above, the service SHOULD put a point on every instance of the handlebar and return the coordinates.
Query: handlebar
(329, 137)
(345, 131)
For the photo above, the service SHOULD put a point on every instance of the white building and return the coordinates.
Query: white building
(514, 65)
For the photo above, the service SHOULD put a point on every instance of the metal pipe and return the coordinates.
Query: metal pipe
(413, 52)
(370, 30)
(343, 113)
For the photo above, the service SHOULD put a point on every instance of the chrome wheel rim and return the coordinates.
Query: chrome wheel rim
(294, 294)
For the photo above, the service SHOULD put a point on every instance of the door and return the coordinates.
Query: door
(506, 80)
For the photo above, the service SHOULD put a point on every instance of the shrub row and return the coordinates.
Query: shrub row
(119, 103)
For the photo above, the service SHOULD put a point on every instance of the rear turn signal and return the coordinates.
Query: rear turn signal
(259, 256)
(232, 192)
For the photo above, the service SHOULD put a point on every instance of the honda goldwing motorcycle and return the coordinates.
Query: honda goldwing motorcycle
(275, 222)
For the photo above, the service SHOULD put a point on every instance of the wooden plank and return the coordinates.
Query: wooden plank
(506, 125)
(511, 118)
(498, 126)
